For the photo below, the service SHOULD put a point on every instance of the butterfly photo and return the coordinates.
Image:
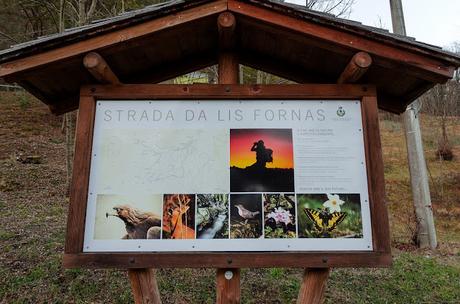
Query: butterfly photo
(324, 221)
(329, 216)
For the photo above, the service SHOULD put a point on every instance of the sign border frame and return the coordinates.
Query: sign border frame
(74, 256)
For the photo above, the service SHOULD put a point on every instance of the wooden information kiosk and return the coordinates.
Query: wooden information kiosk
(227, 175)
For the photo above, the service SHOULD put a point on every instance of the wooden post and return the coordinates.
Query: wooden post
(228, 61)
(144, 286)
(228, 286)
(313, 286)
(227, 279)
(143, 281)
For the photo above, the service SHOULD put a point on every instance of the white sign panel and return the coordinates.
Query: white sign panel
(228, 175)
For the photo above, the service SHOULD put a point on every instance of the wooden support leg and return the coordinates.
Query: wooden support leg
(144, 286)
(313, 286)
(228, 279)
(228, 286)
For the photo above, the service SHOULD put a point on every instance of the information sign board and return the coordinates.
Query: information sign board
(227, 175)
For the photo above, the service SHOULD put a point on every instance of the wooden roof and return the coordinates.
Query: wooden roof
(164, 41)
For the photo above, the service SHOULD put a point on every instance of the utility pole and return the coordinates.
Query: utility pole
(426, 231)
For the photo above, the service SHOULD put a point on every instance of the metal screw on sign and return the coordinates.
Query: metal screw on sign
(228, 275)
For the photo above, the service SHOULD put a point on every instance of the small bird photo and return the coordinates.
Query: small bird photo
(279, 216)
(245, 216)
(329, 215)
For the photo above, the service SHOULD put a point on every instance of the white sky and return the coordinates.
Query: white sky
(435, 22)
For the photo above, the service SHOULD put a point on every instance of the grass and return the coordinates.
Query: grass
(33, 208)
(412, 279)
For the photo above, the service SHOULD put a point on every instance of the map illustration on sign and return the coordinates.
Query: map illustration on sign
(228, 176)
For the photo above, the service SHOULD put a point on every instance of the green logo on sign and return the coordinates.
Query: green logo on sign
(341, 112)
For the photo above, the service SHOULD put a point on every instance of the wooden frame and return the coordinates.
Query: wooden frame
(74, 256)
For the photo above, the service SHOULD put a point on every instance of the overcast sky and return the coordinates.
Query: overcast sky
(435, 22)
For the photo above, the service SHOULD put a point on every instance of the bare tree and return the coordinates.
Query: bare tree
(340, 8)
(442, 102)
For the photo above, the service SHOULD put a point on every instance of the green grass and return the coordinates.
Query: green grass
(412, 279)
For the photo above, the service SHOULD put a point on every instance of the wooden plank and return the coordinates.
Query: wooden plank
(227, 259)
(144, 286)
(170, 70)
(100, 70)
(375, 175)
(229, 91)
(80, 179)
(423, 64)
(112, 38)
(356, 68)
(166, 91)
(313, 286)
(228, 62)
(272, 65)
(228, 287)
(32, 89)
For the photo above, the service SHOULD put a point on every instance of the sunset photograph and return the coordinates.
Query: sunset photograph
(261, 160)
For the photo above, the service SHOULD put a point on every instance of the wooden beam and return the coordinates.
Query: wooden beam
(228, 61)
(356, 68)
(414, 61)
(99, 68)
(226, 24)
(228, 290)
(80, 180)
(376, 181)
(206, 91)
(313, 286)
(112, 38)
(224, 260)
(144, 286)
